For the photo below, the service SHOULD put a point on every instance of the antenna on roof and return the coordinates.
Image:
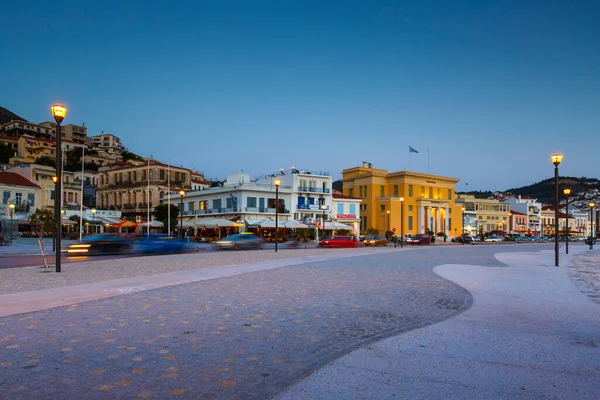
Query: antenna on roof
(281, 171)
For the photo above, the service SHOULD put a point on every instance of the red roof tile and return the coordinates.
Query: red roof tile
(341, 196)
(13, 179)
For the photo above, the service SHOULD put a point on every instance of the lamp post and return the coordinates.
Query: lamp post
(389, 228)
(510, 223)
(401, 223)
(323, 207)
(276, 182)
(12, 215)
(181, 194)
(567, 192)
(94, 219)
(556, 160)
(59, 112)
(462, 232)
(591, 238)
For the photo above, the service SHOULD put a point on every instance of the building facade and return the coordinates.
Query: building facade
(532, 208)
(136, 187)
(491, 215)
(107, 142)
(20, 196)
(406, 201)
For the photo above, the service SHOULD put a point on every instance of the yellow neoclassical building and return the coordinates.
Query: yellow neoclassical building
(404, 201)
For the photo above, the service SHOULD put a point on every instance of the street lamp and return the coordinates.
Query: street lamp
(181, 194)
(591, 238)
(94, 219)
(462, 232)
(567, 192)
(59, 112)
(12, 215)
(401, 223)
(510, 223)
(389, 228)
(323, 207)
(276, 182)
(556, 160)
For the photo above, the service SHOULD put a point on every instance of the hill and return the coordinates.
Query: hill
(7, 116)
(544, 190)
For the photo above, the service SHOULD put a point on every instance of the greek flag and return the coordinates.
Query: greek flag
(411, 150)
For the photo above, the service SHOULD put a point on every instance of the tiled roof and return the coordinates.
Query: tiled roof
(13, 179)
(341, 196)
(517, 212)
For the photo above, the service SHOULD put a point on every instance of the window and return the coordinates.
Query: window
(52, 195)
(216, 203)
(162, 174)
(176, 176)
(18, 198)
(430, 193)
(410, 223)
(381, 191)
(191, 205)
(449, 222)
(361, 191)
(365, 191)
(251, 201)
(439, 193)
(395, 190)
(232, 202)
(365, 207)
(353, 209)
(5, 197)
(410, 208)
(365, 225)
(410, 190)
(449, 194)
(350, 192)
(422, 191)
(340, 208)
(382, 207)
(30, 199)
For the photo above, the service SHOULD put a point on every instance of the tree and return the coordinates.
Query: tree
(161, 213)
(45, 160)
(42, 221)
(6, 152)
(130, 156)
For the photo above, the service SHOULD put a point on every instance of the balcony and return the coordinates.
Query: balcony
(311, 207)
(312, 190)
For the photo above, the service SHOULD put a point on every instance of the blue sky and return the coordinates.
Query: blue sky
(491, 88)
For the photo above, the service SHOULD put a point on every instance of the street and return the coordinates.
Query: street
(249, 335)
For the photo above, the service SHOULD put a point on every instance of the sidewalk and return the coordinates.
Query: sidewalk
(530, 334)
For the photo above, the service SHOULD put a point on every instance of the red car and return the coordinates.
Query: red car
(340, 241)
(419, 239)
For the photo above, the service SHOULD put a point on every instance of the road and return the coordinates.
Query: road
(241, 337)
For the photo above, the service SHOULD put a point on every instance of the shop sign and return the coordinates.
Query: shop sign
(346, 216)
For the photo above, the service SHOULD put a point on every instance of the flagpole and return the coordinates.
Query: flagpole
(409, 157)
(428, 160)
(169, 199)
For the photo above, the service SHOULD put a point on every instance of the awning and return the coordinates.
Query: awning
(335, 225)
(293, 224)
(153, 224)
(214, 223)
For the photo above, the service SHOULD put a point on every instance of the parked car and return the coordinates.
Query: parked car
(159, 244)
(100, 245)
(376, 241)
(240, 241)
(476, 239)
(419, 239)
(494, 239)
(339, 241)
(462, 239)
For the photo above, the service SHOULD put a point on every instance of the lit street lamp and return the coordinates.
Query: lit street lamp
(276, 182)
(323, 207)
(567, 192)
(462, 233)
(556, 160)
(401, 223)
(509, 223)
(591, 238)
(94, 219)
(59, 112)
(12, 215)
(181, 194)
(389, 228)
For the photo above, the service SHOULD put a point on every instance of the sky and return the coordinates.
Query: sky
(486, 91)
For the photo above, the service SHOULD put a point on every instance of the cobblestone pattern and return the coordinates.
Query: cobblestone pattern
(585, 273)
(243, 337)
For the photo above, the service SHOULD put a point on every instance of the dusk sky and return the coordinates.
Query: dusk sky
(491, 88)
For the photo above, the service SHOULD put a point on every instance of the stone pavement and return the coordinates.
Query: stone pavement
(250, 330)
(529, 334)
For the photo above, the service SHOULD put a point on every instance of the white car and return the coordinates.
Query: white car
(494, 239)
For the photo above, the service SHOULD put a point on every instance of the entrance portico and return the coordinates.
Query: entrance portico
(433, 215)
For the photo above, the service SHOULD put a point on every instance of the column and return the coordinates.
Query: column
(438, 223)
(446, 221)
(421, 219)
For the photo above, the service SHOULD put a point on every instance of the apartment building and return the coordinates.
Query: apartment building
(20, 196)
(107, 142)
(413, 201)
(491, 215)
(532, 208)
(136, 187)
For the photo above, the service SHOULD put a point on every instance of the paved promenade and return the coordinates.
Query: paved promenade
(249, 324)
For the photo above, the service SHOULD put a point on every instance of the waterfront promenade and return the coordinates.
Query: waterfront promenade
(440, 321)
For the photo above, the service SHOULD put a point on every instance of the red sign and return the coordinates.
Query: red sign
(318, 224)
(346, 216)
(393, 229)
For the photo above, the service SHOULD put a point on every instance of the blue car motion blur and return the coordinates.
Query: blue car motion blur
(101, 244)
(159, 244)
